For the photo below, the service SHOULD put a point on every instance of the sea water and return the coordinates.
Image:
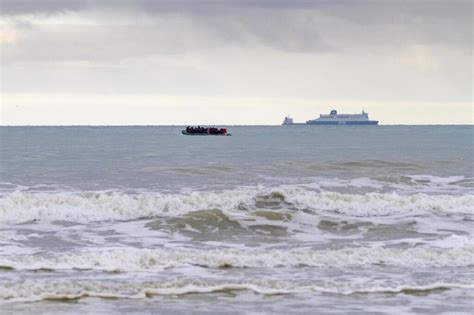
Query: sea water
(293, 219)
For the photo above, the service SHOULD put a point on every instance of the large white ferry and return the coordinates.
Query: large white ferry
(337, 119)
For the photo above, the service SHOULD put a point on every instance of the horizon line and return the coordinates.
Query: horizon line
(233, 125)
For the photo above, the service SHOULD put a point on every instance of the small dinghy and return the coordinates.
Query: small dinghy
(202, 131)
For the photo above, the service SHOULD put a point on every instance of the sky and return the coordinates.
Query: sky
(145, 62)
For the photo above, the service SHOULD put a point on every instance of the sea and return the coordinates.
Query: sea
(273, 219)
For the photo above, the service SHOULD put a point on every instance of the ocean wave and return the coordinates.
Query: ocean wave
(38, 290)
(83, 207)
(133, 259)
(414, 183)
(373, 164)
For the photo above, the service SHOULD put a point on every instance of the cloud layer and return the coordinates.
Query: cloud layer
(301, 51)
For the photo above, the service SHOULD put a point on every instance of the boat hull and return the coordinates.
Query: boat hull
(204, 134)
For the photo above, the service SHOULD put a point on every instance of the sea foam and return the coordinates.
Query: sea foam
(133, 259)
(37, 290)
(83, 207)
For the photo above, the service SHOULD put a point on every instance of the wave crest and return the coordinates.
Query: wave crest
(132, 259)
(86, 207)
(38, 290)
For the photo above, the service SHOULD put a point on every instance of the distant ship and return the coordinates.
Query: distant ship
(337, 119)
(288, 121)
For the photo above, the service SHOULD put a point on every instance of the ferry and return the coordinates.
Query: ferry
(288, 121)
(337, 119)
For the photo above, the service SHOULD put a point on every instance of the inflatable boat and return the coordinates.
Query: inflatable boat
(205, 131)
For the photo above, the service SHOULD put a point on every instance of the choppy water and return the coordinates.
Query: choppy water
(273, 219)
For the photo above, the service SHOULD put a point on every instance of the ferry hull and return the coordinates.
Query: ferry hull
(344, 123)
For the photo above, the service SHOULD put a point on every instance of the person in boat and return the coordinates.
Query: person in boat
(208, 130)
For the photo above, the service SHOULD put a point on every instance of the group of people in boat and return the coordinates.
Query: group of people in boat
(204, 130)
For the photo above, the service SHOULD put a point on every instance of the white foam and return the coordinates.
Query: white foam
(453, 241)
(351, 288)
(408, 183)
(37, 290)
(86, 207)
(377, 204)
(9, 235)
(133, 259)
(436, 180)
(11, 250)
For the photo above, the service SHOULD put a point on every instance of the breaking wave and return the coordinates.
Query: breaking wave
(37, 290)
(133, 259)
(83, 207)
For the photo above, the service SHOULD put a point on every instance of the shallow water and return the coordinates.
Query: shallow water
(273, 219)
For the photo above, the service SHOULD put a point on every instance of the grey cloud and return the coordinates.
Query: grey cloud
(125, 35)
(202, 7)
(364, 11)
(269, 23)
(102, 43)
(22, 25)
(18, 7)
(297, 26)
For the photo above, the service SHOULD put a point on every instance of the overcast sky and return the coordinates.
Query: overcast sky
(234, 62)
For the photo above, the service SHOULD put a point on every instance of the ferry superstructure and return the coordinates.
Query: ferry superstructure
(342, 119)
(337, 119)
